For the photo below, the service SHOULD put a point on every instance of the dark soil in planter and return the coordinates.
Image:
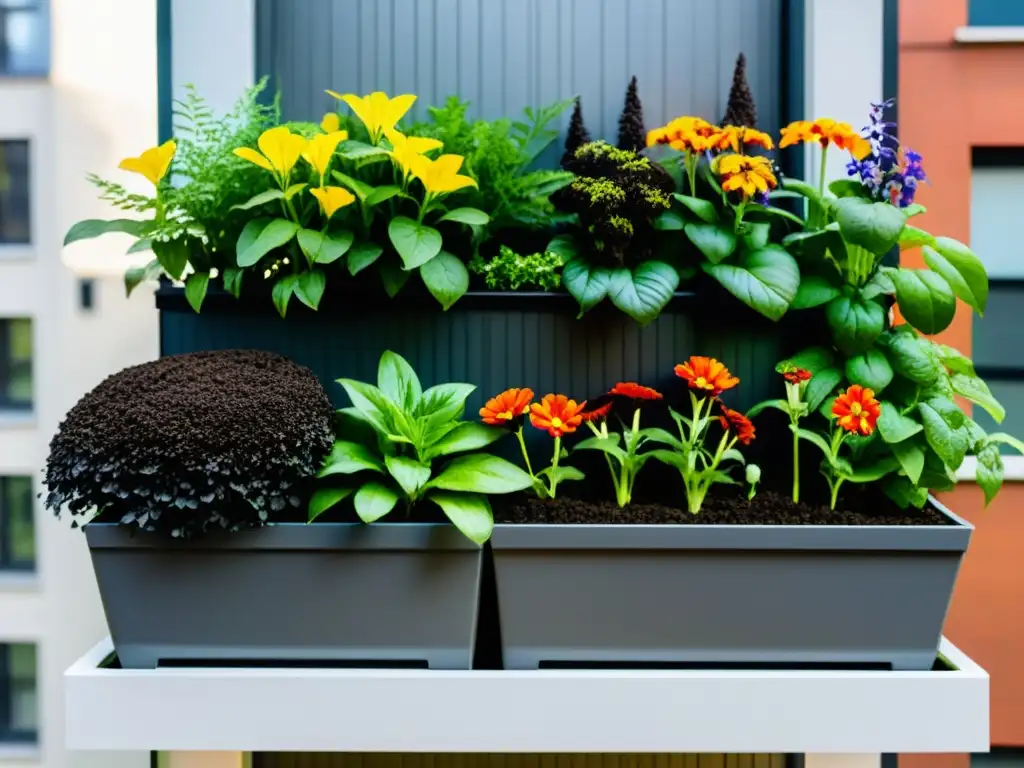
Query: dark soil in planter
(767, 508)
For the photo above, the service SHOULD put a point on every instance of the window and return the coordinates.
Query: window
(17, 529)
(15, 213)
(15, 363)
(995, 13)
(998, 338)
(24, 37)
(19, 714)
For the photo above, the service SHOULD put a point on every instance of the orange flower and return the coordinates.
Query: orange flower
(635, 391)
(796, 375)
(826, 131)
(687, 134)
(705, 374)
(856, 410)
(736, 137)
(598, 412)
(557, 414)
(745, 174)
(506, 407)
(737, 423)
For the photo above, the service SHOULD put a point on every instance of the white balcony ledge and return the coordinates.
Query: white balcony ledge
(546, 711)
(988, 35)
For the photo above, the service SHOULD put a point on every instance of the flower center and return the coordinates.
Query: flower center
(855, 409)
(556, 423)
(701, 382)
(507, 415)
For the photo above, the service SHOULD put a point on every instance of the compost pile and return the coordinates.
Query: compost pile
(192, 442)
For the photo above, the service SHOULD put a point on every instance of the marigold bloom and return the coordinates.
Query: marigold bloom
(557, 414)
(707, 375)
(796, 375)
(686, 134)
(507, 407)
(747, 175)
(736, 423)
(826, 131)
(856, 410)
(735, 137)
(598, 412)
(153, 163)
(635, 391)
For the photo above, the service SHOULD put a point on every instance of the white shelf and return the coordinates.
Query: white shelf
(552, 711)
(988, 35)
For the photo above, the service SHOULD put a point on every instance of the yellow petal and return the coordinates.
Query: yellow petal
(153, 163)
(320, 149)
(455, 183)
(361, 108)
(395, 109)
(421, 144)
(165, 153)
(281, 147)
(254, 157)
(330, 123)
(332, 198)
(448, 165)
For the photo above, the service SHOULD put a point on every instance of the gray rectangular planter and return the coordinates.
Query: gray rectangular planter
(770, 594)
(376, 595)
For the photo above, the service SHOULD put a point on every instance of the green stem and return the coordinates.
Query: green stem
(526, 455)
(796, 463)
(554, 467)
(691, 171)
(835, 492)
(739, 216)
(822, 171)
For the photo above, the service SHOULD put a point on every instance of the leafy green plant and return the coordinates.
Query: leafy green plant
(510, 271)
(401, 444)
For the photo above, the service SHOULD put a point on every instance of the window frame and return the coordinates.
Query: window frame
(7, 367)
(8, 735)
(40, 9)
(7, 559)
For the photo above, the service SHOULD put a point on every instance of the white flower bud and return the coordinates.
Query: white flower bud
(753, 474)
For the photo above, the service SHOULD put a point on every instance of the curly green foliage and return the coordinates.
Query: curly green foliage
(511, 271)
(617, 194)
(498, 154)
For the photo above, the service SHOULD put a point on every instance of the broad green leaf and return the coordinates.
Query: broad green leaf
(446, 401)
(814, 438)
(360, 189)
(925, 299)
(656, 435)
(416, 243)
(408, 473)
(904, 493)
(381, 194)
(855, 322)
(469, 512)
(232, 279)
(173, 256)
(914, 209)
(603, 444)
(325, 498)
(586, 283)
(195, 289)
(912, 357)
(812, 359)
(669, 221)
(371, 403)
(482, 473)
(675, 459)
(988, 473)
(469, 436)
(564, 246)
(446, 277)
(277, 233)
(90, 228)
(912, 237)
(398, 381)
(135, 276)
(893, 426)
(911, 458)
(140, 245)
(813, 292)
(347, 458)
(717, 243)
(324, 249)
(363, 255)
(779, 405)
(293, 190)
(976, 390)
(1005, 439)
(955, 360)
(957, 259)
(755, 235)
(869, 369)
(374, 500)
(879, 284)
(643, 292)
(474, 217)
(282, 293)
(261, 199)
(765, 280)
(875, 472)
(562, 473)
(821, 385)
(309, 287)
(848, 188)
(393, 277)
(351, 425)
(699, 207)
(357, 150)
(949, 442)
(874, 226)
(248, 235)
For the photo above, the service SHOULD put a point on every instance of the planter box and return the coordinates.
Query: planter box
(747, 595)
(389, 594)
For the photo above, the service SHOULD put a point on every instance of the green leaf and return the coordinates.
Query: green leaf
(482, 473)
(988, 473)
(812, 359)
(813, 292)
(282, 292)
(416, 243)
(847, 188)
(911, 458)
(562, 473)
(962, 269)
(173, 256)
(232, 279)
(976, 390)
(140, 245)
(374, 500)
(870, 369)
(756, 234)
(408, 473)
(135, 276)
(474, 217)
(643, 292)
(360, 189)
(446, 401)
(779, 405)
(586, 283)
(699, 207)
(715, 242)
(605, 445)
(656, 435)
(814, 438)
(880, 284)
(1005, 439)
(912, 357)
(398, 381)
(357, 150)
(309, 288)
(248, 235)
(875, 472)
(446, 277)
(925, 299)
(469, 436)
(955, 360)
(904, 493)
(195, 289)
(90, 228)
(912, 237)
(276, 234)
(469, 512)
(564, 246)
(347, 458)
(821, 385)
(669, 221)
(765, 280)
(894, 427)
(381, 194)
(855, 322)
(325, 498)
(261, 199)
(393, 277)
(324, 249)
(371, 403)
(363, 255)
(293, 190)
(948, 441)
(874, 226)
(914, 209)
(675, 459)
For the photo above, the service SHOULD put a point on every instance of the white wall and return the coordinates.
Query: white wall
(213, 47)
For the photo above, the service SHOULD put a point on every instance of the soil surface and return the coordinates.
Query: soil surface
(766, 508)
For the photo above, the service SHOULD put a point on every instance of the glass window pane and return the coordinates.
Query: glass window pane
(15, 215)
(995, 196)
(1011, 395)
(16, 363)
(999, 336)
(24, 37)
(995, 13)
(17, 521)
(21, 670)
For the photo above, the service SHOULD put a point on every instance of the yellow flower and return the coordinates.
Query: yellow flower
(332, 198)
(404, 149)
(826, 131)
(330, 123)
(376, 111)
(153, 163)
(745, 174)
(281, 150)
(320, 149)
(441, 176)
(736, 137)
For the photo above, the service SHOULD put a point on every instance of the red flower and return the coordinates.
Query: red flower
(598, 412)
(557, 414)
(856, 410)
(796, 375)
(506, 407)
(635, 391)
(705, 374)
(737, 423)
